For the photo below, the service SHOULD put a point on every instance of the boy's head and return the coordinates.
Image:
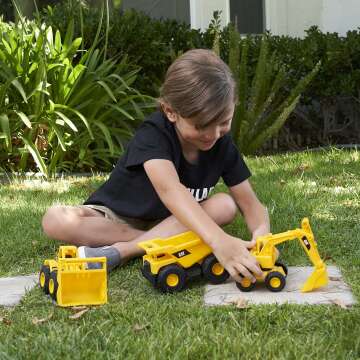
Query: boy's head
(199, 96)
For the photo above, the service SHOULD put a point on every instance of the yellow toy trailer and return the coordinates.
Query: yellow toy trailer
(274, 272)
(70, 283)
(170, 263)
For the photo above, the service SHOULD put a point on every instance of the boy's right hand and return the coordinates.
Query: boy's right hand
(233, 253)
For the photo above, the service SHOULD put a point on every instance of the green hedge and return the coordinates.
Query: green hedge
(321, 118)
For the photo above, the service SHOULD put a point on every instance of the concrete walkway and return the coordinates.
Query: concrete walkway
(336, 292)
(12, 289)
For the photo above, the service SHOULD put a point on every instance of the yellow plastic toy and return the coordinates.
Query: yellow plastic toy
(70, 283)
(274, 272)
(170, 263)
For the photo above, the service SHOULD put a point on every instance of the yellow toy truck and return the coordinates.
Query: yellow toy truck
(274, 273)
(170, 263)
(69, 281)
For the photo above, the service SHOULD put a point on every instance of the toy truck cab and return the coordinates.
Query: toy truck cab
(70, 282)
(170, 263)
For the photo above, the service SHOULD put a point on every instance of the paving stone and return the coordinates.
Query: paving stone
(336, 292)
(12, 289)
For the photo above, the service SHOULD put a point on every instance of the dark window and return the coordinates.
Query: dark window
(248, 15)
(157, 9)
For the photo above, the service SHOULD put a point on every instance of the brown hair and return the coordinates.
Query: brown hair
(200, 86)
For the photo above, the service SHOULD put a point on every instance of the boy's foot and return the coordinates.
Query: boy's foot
(113, 258)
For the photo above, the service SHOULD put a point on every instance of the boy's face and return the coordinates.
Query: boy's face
(193, 138)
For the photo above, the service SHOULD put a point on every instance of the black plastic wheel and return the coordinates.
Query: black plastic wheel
(171, 278)
(53, 285)
(213, 271)
(245, 285)
(275, 281)
(283, 266)
(44, 277)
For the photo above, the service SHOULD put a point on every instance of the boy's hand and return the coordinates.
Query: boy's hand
(233, 253)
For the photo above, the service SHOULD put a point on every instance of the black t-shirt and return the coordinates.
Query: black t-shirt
(129, 192)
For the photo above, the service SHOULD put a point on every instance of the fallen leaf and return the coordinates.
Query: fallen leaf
(78, 314)
(334, 278)
(302, 167)
(240, 303)
(339, 303)
(78, 308)
(140, 327)
(5, 321)
(282, 182)
(37, 321)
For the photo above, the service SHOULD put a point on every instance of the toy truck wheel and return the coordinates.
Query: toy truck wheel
(275, 281)
(53, 285)
(171, 278)
(213, 271)
(245, 285)
(283, 266)
(44, 277)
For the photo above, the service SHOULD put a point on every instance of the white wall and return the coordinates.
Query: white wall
(292, 17)
(201, 12)
(340, 15)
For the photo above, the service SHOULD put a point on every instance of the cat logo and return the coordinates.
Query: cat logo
(181, 254)
(306, 242)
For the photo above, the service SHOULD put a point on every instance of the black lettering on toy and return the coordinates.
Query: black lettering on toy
(181, 253)
(306, 242)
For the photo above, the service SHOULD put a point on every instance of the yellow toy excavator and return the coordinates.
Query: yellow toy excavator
(274, 273)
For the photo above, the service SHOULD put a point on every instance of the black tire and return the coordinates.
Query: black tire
(245, 285)
(275, 281)
(53, 285)
(283, 266)
(172, 278)
(213, 271)
(44, 277)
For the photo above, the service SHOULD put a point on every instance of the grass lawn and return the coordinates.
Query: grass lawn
(140, 323)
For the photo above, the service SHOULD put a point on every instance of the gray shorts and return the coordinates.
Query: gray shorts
(134, 223)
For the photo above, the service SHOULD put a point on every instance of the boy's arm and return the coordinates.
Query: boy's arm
(230, 251)
(255, 214)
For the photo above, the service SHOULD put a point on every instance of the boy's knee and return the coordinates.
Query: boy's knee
(56, 219)
(223, 208)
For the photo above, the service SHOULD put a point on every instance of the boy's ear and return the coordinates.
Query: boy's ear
(169, 112)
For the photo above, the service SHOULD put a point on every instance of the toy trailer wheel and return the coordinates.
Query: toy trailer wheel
(283, 266)
(171, 278)
(275, 281)
(245, 285)
(44, 277)
(213, 271)
(53, 285)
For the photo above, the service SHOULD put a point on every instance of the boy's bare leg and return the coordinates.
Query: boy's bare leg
(85, 226)
(220, 207)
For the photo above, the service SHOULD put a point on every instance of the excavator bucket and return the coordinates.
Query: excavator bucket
(317, 279)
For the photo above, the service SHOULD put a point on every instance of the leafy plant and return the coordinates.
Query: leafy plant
(264, 102)
(62, 109)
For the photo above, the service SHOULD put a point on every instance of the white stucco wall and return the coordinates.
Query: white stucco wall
(201, 12)
(340, 15)
(292, 17)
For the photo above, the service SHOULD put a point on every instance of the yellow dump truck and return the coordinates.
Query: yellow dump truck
(70, 282)
(170, 263)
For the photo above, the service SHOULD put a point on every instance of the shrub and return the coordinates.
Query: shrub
(54, 98)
